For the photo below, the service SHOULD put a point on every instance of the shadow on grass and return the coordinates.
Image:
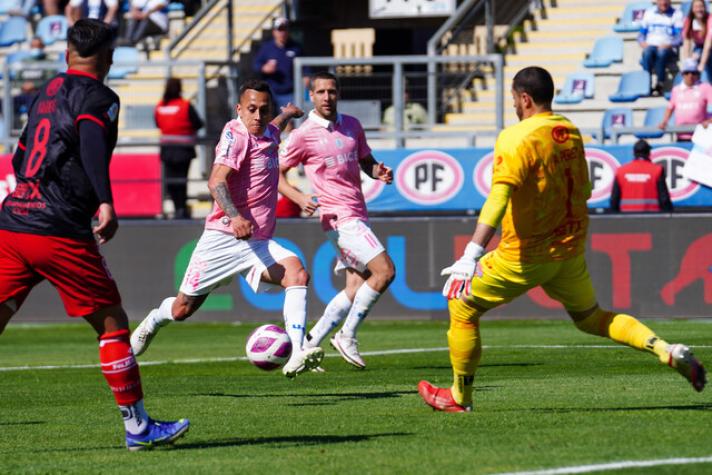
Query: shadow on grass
(20, 423)
(337, 396)
(287, 441)
(494, 365)
(686, 407)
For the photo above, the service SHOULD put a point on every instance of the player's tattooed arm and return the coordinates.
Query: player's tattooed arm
(289, 112)
(376, 170)
(217, 184)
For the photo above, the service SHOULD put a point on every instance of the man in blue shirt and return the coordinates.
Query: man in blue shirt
(660, 36)
(274, 62)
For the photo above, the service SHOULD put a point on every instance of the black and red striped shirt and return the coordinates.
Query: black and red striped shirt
(57, 192)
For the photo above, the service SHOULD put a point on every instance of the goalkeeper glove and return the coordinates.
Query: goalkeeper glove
(461, 272)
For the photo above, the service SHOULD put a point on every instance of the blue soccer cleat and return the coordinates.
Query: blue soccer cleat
(157, 433)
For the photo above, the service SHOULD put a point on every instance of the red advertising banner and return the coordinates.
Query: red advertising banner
(135, 181)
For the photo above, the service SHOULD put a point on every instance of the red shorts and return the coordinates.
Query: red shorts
(74, 267)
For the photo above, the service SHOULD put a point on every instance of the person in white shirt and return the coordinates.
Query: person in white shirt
(146, 18)
(660, 36)
(103, 10)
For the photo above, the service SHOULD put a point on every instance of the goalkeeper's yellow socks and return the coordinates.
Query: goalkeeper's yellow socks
(624, 329)
(465, 349)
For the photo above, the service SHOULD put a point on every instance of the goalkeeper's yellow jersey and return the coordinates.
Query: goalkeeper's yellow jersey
(543, 159)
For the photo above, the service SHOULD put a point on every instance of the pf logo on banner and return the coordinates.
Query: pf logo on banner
(370, 188)
(673, 159)
(602, 168)
(429, 177)
(482, 175)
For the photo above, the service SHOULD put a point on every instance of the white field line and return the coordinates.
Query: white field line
(401, 351)
(603, 467)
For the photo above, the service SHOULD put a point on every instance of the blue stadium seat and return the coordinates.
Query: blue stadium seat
(578, 86)
(123, 55)
(617, 117)
(632, 86)
(176, 7)
(653, 117)
(52, 28)
(12, 31)
(631, 17)
(607, 50)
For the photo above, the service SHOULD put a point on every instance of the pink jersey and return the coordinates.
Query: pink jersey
(690, 104)
(330, 152)
(253, 185)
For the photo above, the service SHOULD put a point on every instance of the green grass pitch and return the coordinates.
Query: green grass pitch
(579, 401)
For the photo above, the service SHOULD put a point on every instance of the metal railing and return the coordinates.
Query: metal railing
(397, 96)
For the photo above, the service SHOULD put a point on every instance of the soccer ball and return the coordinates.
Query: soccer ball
(268, 347)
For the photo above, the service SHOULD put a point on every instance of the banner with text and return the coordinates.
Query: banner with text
(460, 179)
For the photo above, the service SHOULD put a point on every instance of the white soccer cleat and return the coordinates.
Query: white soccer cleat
(348, 349)
(144, 333)
(680, 357)
(301, 361)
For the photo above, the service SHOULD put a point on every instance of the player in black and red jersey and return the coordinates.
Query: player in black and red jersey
(62, 170)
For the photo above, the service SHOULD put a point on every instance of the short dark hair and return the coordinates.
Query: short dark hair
(323, 75)
(641, 149)
(537, 83)
(88, 37)
(256, 85)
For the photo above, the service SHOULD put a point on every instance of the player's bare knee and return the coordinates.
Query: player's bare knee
(296, 277)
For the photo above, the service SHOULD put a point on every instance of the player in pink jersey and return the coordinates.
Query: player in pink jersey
(333, 149)
(238, 232)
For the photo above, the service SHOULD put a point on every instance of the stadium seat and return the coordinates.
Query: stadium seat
(630, 20)
(632, 86)
(52, 28)
(618, 117)
(607, 50)
(578, 86)
(653, 117)
(12, 31)
(124, 58)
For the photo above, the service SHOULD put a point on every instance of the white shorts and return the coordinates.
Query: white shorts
(355, 244)
(218, 256)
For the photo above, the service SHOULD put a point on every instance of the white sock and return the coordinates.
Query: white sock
(295, 314)
(135, 418)
(334, 313)
(164, 315)
(364, 299)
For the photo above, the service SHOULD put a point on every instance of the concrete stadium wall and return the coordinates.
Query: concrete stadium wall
(651, 266)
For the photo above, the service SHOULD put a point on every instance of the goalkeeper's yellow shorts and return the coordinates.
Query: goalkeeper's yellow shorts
(501, 281)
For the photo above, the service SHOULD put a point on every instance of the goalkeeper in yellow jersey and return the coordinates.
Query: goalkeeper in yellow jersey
(539, 191)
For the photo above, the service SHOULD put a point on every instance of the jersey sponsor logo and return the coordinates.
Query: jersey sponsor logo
(560, 134)
(54, 86)
(602, 168)
(429, 177)
(113, 112)
(371, 188)
(482, 174)
(673, 160)
(47, 107)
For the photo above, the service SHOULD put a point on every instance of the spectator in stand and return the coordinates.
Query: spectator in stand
(145, 18)
(274, 62)
(22, 102)
(689, 100)
(104, 10)
(695, 32)
(22, 8)
(54, 7)
(640, 185)
(660, 37)
(413, 113)
(179, 122)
